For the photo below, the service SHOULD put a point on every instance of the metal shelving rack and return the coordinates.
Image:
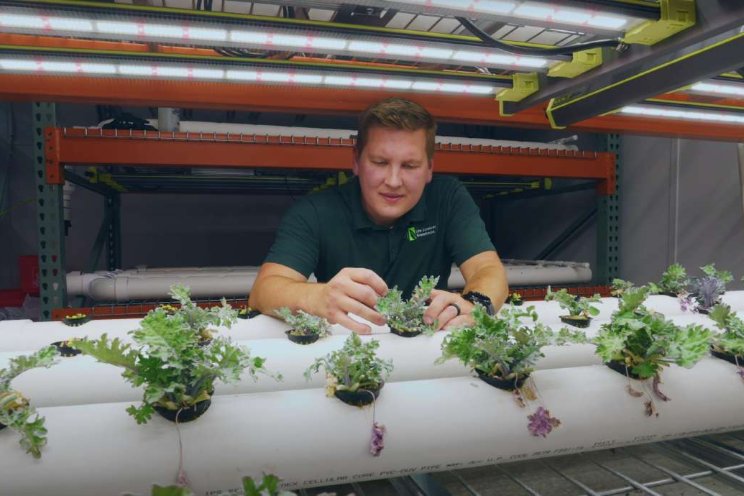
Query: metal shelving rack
(97, 147)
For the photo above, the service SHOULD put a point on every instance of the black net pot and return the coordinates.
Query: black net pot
(187, 414)
(404, 334)
(65, 350)
(301, 338)
(576, 321)
(620, 368)
(729, 357)
(668, 293)
(249, 314)
(360, 397)
(2, 426)
(74, 322)
(505, 384)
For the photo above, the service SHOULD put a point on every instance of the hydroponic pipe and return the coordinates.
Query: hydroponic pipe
(308, 439)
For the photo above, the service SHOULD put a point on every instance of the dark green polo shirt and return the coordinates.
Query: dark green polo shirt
(324, 232)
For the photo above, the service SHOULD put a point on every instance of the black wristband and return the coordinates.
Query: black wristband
(475, 297)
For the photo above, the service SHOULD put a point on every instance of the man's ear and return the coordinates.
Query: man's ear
(355, 165)
(431, 171)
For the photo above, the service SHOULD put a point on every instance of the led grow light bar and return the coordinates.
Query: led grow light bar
(263, 38)
(532, 11)
(235, 74)
(736, 90)
(691, 115)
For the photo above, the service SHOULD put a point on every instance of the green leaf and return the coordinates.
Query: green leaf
(171, 491)
(408, 316)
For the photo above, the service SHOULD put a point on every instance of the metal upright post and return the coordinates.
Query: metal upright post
(608, 223)
(113, 238)
(50, 218)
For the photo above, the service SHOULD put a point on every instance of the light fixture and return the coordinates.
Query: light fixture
(539, 11)
(153, 70)
(691, 115)
(719, 88)
(195, 33)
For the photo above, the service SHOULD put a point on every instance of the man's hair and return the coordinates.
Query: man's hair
(397, 113)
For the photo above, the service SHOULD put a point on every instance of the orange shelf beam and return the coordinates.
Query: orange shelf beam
(93, 147)
(280, 98)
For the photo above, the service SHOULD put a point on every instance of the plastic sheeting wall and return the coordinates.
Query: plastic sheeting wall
(680, 201)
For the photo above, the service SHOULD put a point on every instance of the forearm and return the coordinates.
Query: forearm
(490, 280)
(273, 292)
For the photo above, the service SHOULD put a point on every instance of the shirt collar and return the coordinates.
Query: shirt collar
(352, 195)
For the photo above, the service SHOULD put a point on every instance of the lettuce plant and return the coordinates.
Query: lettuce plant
(408, 316)
(709, 288)
(170, 358)
(304, 324)
(355, 366)
(673, 281)
(731, 340)
(15, 410)
(645, 342)
(578, 307)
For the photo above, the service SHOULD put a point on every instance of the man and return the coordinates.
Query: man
(392, 224)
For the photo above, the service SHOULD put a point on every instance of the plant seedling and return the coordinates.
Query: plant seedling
(16, 412)
(580, 308)
(306, 328)
(406, 318)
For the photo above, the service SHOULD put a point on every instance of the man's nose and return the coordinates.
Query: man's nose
(392, 177)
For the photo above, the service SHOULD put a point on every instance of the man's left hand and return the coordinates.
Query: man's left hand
(449, 310)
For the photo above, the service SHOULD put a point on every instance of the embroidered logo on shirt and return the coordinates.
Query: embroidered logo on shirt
(413, 233)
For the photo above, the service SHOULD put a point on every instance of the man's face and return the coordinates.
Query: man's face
(393, 169)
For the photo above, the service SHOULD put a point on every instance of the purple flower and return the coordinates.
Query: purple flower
(740, 371)
(687, 302)
(377, 444)
(541, 423)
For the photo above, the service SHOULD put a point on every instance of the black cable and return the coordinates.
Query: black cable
(563, 50)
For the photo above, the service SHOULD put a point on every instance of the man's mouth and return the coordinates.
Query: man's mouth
(390, 198)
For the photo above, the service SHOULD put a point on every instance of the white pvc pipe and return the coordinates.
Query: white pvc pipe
(152, 283)
(310, 440)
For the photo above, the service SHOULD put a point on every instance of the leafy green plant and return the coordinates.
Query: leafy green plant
(515, 299)
(354, 367)
(709, 288)
(619, 286)
(268, 486)
(731, 340)
(15, 410)
(644, 342)
(578, 307)
(408, 316)
(501, 345)
(673, 281)
(170, 358)
(304, 324)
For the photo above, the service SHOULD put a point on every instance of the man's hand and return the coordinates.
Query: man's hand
(443, 308)
(352, 290)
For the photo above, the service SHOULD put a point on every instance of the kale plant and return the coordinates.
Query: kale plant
(15, 411)
(355, 366)
(709, 288)
(731, 340)
(501, 345)
(673, 281)
(577, 306)
(197, 319)
(645, 342)
(304, 324)
(619, 286)
(408, 316)
(170, 358)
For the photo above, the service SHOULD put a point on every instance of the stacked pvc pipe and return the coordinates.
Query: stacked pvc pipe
(437, 417)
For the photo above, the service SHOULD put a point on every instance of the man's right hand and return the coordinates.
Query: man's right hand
(352, 290)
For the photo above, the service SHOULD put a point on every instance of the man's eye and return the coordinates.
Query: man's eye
(409, 166)
(379, 162)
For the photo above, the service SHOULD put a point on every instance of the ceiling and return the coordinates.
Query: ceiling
(642, 66)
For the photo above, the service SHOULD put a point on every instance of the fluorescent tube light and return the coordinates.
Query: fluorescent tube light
(145, 30)
(692, 115)
(719, 89)
(291, 77)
